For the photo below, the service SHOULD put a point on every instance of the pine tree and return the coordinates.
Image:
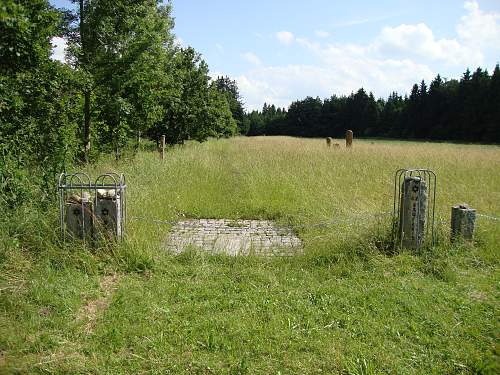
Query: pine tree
(492, 119)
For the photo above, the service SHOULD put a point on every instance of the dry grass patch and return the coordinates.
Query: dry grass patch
(90, 312)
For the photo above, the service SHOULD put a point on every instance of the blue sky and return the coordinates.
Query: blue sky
(280, 51)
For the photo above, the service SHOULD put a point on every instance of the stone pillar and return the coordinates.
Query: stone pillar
(79, 216)
(348, 138)
(108, 214)
(413, 212)
(463, 219)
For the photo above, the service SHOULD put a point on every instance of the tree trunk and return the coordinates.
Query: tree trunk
(86, 125)
(117, 151)
(86, 94)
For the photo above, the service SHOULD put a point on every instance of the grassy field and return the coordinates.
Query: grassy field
(348, 305)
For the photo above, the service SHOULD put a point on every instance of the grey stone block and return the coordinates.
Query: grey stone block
(234, 237)
(413, 212)
(463, 220)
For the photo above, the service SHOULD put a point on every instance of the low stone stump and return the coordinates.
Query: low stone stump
(463, 219)
(233, 237)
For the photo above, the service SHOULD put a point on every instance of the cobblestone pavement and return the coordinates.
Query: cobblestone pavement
(234, 237)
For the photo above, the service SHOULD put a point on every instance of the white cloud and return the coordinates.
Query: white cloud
(478, 34)
(215, 74)
(285, 37)
(256, 91)
(322, 33)
(419, 41)
(480, 29)
(179, 42)
(251, 58)
(59, 46)
(344, 74)
(340, 69)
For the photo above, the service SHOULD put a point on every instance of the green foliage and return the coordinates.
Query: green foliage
(198, 313)
(193, 108)
(185, 117)
(140, 83)
(37, 104)
(37, 113)
(26, 27)
(270, 121)
(124, 45)
(229, 89)
(14, 179)
(219, 118)
(126, 78)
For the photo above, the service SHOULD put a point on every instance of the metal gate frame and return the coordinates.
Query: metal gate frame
(69, 183)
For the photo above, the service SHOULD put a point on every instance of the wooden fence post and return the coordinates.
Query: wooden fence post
(162, 147)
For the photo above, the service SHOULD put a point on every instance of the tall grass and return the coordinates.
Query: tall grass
(349, 305)
(302, 183)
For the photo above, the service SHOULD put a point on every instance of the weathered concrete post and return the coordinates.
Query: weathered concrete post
(348, 138)
(463, 219)
(413, 212)
(108, 213)
(162, 149)
(79, 215)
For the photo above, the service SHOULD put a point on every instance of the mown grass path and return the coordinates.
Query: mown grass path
(348, 305)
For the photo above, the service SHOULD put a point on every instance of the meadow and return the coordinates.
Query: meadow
(349, 304)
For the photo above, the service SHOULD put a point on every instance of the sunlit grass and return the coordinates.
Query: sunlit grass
(346, 306)
(302, 183)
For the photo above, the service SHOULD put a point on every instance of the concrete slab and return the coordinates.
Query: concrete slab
(234, 237)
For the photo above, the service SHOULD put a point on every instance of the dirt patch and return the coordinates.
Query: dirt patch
(93, 308)
(478, 296)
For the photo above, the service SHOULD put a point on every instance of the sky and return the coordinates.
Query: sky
(279, 51)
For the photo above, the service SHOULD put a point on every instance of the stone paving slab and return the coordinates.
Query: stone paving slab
(234, 237)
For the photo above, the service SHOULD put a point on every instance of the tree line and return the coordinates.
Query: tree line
(458, 110)
(125, 79)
